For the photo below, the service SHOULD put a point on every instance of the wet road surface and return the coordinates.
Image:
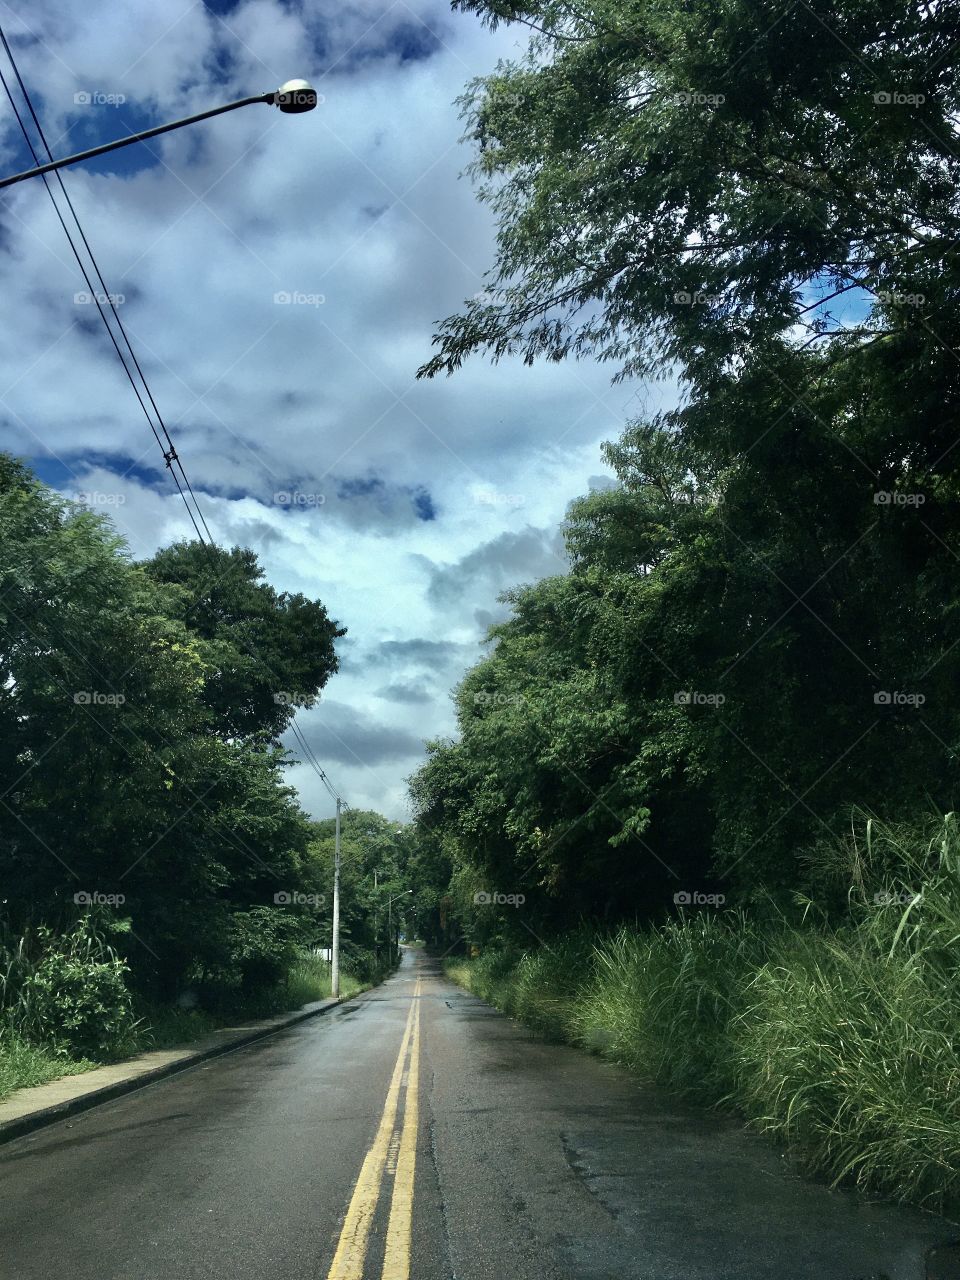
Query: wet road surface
(416, 1134)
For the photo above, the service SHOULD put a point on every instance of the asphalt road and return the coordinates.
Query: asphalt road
(415, 1134)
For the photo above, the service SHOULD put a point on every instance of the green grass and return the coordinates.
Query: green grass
(308, 980)
(23, 1065)
(840, 1042)
(166, 1028)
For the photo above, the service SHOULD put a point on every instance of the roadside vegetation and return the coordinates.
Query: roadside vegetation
(158, 876)
(69, 1008)
(689, 769)
(837, 1039)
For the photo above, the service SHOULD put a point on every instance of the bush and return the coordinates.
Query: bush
(73, 999)
(24, 1065)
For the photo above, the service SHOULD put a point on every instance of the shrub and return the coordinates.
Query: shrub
(74, 999)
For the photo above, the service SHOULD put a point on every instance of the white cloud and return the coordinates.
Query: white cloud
(358, 202)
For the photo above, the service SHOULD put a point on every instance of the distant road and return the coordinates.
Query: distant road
(415, 1134)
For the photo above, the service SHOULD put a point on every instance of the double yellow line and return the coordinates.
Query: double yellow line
(351, 1253)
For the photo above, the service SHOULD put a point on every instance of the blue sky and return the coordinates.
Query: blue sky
(407, 507)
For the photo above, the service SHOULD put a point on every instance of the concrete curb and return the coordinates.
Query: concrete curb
(138, 1074)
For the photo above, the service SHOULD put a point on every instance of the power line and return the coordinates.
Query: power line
(170, 455)
(311, 759)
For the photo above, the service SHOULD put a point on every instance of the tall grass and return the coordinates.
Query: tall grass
(307, 980)
(837, 1039)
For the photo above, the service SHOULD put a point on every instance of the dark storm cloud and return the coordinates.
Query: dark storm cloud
(498, 564)
(340, 733)
(426, 653)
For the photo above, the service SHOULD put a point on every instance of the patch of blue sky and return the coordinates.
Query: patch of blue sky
(61, 471)
(848, 310)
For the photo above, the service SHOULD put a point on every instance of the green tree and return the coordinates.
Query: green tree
(266, 652)
(764, 201)
(753, 640)
(373, 862)
(119, 780)
(681, 185)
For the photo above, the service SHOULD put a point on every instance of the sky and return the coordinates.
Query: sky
(280, 277)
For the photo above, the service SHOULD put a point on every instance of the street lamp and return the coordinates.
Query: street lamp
(292, 98)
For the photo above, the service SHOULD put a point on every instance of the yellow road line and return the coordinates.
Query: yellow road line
(396, 1262)
(352, 1247)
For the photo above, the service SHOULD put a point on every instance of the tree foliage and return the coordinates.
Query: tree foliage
(758, 630)
(683, 185)
(266, 653)
(374, 853)
(140, 775)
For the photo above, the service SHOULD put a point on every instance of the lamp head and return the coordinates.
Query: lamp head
(295, 96)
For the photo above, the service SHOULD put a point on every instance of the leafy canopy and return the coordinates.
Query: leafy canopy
(681, 185)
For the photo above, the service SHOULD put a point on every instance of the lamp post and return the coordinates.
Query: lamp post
(292, 98)
(376, 922)
(335, 939)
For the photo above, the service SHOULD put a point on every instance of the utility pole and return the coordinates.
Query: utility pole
(376, 921)
(403, 893)
(335, 942)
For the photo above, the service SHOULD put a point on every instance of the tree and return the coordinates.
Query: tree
(753, 640)
(98, 698)
(683, 185)
(758, 632)
(373, 864)
(125, 785)
(266, 652)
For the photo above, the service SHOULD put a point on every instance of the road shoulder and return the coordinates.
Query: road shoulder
(29, 1109)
